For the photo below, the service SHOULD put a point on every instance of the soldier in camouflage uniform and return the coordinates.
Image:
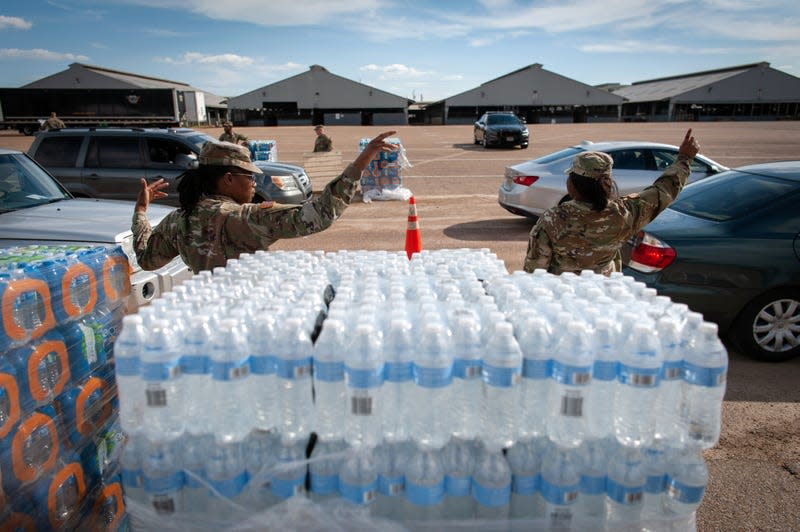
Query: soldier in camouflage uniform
(323, 142)
(229, 136)
(216, 222)
(587, 231)
(54, 122)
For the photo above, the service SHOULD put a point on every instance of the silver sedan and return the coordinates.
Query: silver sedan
(532, 187)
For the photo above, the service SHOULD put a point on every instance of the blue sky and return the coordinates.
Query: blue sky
(418, 49)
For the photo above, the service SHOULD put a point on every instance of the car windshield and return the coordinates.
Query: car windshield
(24, 184)
(200, 139)
(494, 120)
(560, 154)
(730, 195)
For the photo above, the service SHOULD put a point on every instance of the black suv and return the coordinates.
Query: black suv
(500, 129)
(109, 163)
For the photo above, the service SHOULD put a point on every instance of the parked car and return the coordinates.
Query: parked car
(36, 209)
(532, 187)
(729, 247)
(500, 129)
(109, 162)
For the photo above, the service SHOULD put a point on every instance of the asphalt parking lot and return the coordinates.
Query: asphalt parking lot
(755, 469)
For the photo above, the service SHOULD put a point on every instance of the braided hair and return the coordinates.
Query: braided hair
(197, 182)
(598, 192)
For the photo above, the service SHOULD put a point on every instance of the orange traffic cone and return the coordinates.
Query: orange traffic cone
(413, 237)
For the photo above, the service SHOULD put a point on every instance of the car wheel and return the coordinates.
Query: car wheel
(475, 139)
(768, 328)
(523, 146)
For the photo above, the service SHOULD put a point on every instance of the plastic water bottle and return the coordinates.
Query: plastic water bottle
(458, 458)
(536, 342)
(502, 373)
(260, 456)
(323, 469)
(467, 385)
(330, 395)
(687, 477)
(491, 484)
(424, 486)
(293, 369)
(600, 416)
(625, 485)
(572, 375)
(162, 477)
(433, 376)
(668, 423)
(358, 477)
(391, 462)
(227, 477)
(290, 470)
(130, 387)
(594, 464)
(705, 372)
(398, 385)
(636, 394)
(230, 369)
(131, 466)
(194, 455)
(655, 464)
(262, 382)
(561, 479)
(525, 460)
(163, 414)
(364, 378)
(196, 369)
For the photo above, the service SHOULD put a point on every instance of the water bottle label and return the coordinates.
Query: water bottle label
(466, 368)
(420, 495)
(163, 485)
(132, 478)
(491, 497)
(560, 495)
(230, 370)
(328, 371)
(526, 484)
(293, 369)
(457, 486)
(638, 377)
(324, 484)
(684, 493)
(433, 377)
(361, 403)
(398, 371)
(285, 488)
(626, 495)
(262, 365)
(391, 485)
(572, 403)
(537, 369)
(593, 485)
(702, 376)
(605, 370)
(160, 371)
(156, 396)
(655, 483)
(571, 375)
(672, 370)
(90, 347)
(230, 487)
(364, 378)
(194, 364)
(500, 377)
(358, 494)
(127, 366)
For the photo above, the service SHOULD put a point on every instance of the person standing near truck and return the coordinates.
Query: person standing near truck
(230, 136)
(53, 122)
(323, 142)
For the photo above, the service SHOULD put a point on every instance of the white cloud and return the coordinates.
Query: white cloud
(14, 23)
(395, 70)
(197, 58)
(39, 54)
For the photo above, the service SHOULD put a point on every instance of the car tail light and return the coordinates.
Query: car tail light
(650, 254)
(525, 180)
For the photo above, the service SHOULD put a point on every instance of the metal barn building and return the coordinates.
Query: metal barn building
(748, 92)
(533, 93)
(319, 97)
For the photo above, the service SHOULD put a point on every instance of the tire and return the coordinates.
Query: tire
(524, 146)
(768, 328)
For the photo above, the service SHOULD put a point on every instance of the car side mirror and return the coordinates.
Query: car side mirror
(185, 161)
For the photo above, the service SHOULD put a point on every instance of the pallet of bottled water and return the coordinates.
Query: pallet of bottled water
(359, 391)
(60, 310)
(263, 150)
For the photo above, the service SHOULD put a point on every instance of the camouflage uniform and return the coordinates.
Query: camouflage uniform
(220, 229)
(323, 143)
(236, 138)
(572, 237)
(53, 122)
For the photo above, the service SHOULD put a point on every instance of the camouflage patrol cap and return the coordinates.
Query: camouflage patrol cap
(591, 164)
(216, 153)
(227, 123)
